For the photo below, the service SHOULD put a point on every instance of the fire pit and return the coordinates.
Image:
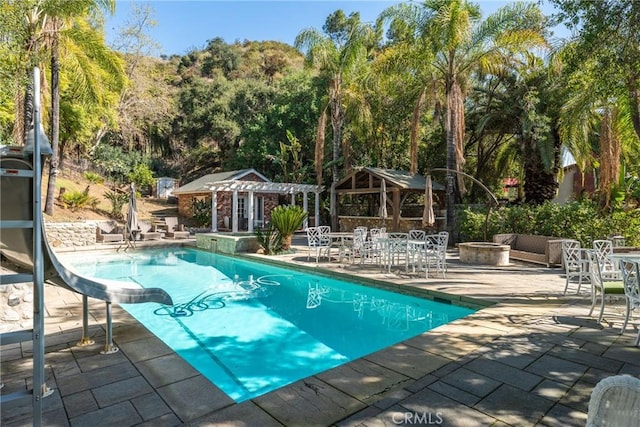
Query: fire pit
(484, 253)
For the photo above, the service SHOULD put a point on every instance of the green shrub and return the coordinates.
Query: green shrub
(79, 200)
(270, 239)
(578, 220)
(93, 177)
(202, 212)
(141, 176)
(287, 219)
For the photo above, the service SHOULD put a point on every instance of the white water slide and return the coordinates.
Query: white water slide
(16, 245)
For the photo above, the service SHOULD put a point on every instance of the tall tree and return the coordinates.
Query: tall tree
(61, 17)
(608, 33)
(339, 53)
(461, 43)
(600, 121)
(83, 45)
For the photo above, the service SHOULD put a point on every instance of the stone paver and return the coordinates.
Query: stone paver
(557, 369)
(472, 382)
(408, 360)
(530, 359)
(80, 403)
(435, 406)
(165, 370)
(120, 391)
(123, 414)
(563, 416)
(309, 402)
(193, 397)
(150, 406)
(504, 373)
(515, 406)
(364, 380)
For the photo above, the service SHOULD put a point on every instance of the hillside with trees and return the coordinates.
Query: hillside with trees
(429, 84)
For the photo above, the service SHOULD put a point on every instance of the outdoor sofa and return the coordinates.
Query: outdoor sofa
(545, 250)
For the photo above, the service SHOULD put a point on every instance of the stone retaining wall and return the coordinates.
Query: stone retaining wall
(70, 234)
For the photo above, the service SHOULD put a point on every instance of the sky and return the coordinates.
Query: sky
(185, 25)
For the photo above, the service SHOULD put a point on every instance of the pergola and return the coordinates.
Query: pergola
(251, 187)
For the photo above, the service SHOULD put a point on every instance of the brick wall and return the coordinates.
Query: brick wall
(225, 202)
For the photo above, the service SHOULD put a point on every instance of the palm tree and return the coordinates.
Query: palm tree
(461, 43)
(409, 56)
(597, 129)
(339, 54)
(86, 54)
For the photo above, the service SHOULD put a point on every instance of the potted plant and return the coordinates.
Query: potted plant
(287, 219)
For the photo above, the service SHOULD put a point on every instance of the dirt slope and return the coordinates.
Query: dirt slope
(147, 206)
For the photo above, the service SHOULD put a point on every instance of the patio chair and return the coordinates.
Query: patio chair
(631, 277)
(436, 252)
(416, 248)
(394, 249)
(604, 250)
(575, 263)
(602, 285)
(373, 246)
(356, 246)
(317, 241)
(615, 401)
(442, 254)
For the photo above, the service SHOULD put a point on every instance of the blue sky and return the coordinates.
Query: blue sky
(184, 25)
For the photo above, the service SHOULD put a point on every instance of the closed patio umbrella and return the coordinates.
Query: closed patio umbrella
(428, 216)
(383, 199)
(132, 215)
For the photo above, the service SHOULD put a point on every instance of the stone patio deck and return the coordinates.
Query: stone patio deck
(531, 359)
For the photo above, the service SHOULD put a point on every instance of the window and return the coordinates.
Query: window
(242, 207)
(258, 208)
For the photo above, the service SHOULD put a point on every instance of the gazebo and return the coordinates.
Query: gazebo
(243, 199)
(369, 186)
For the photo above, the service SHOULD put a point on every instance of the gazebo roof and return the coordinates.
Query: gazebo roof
(367, 180)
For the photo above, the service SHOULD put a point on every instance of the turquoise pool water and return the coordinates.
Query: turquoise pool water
(251, 328)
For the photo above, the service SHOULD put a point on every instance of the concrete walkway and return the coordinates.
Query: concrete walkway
(531, 359)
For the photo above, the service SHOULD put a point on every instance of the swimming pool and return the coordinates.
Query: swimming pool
(251, 327)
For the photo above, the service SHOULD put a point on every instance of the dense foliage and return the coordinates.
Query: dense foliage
(578, 220)
(429, 84)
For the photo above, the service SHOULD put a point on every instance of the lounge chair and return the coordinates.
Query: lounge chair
(148, 231)
(175, 230)
(108, 231)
